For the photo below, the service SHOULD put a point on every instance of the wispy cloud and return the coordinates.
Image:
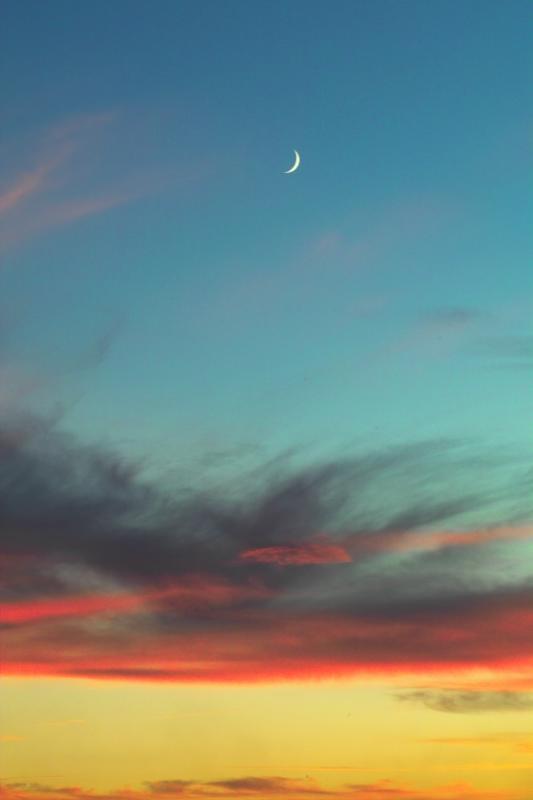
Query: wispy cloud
(25, 186)
(468, 702)
(60, 188)
(390, 541)
(444, 332)
(324, 265)
(55, 148)
(441, 332)
(511, 351)
(519, 742)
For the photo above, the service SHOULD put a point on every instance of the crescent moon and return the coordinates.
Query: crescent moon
(295, 165)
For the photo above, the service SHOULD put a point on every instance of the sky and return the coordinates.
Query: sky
(265, 438)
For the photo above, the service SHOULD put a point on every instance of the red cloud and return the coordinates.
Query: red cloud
(317, 552)
(221, 637)
(191, 592)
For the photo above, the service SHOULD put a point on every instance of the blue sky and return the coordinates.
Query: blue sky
(168, 287)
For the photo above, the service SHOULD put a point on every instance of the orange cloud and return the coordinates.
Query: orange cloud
(258, 787)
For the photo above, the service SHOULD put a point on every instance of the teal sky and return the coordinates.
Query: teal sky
(169, 289)
(266, 507)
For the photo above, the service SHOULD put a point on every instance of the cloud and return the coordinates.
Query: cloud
(399, 541)
(276, 786)
(317, 552)
(99, 348)
(447, 319)
(519, 742)
(58, 214)
(471, 332)
(21, 384)
(363, 545)
(513, 351)
(25, 185)
(323, 267)
(188, 593)
(357, 566)
(174, 787)
(53, 151)
(525, 747)
(75, 175)
(468, 702)
(441, 332)
(257, 787)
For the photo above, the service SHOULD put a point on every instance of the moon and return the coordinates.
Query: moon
(295, 165)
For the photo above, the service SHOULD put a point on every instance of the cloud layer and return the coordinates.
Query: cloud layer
(369, 564)
(257, 787)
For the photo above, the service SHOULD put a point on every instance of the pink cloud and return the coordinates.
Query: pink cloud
(57, 146)
(24, 186)
(374, 543)
(52, 193)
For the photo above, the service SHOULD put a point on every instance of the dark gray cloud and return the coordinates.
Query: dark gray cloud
(468, 702)
(67, 503)
(327, 541)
